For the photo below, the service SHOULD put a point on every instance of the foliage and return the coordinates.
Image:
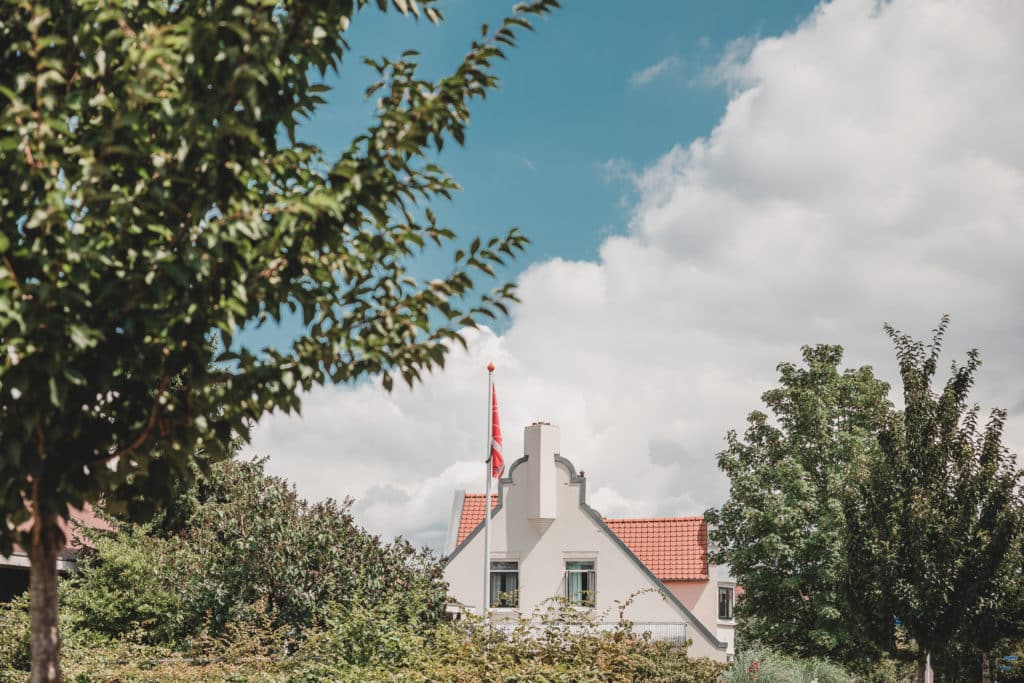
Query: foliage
(14, 634)
(934, 525)
(385, 650)
(159, 191)
(249, 542)
(158, 200)
(1014, 668)
(781, 530)
(129, 584)
(767, 666)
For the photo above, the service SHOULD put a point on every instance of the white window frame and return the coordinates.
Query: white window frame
(496, 596)
(732, 602)
(590, 580)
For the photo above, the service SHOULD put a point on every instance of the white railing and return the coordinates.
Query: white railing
(673, 632)
(659, 631)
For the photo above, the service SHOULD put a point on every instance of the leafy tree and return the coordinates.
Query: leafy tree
(155, 191)
(250, 543)
(934, 525)
(782, 528)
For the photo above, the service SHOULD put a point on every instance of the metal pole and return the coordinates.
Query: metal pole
(487, 497)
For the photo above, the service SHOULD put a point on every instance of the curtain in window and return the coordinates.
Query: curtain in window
(579, 582)
(504, 584)
(575, 592)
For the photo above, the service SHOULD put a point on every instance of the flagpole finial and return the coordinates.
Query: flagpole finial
(490, 367)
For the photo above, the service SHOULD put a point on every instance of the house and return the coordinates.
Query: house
(14, 569)
(546, 541)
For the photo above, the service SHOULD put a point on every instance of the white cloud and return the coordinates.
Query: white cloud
(645, 76)
(868, 168)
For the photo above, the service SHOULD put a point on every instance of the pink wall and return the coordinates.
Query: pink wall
(700, 597)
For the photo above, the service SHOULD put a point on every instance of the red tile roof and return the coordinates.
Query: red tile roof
(72, 528)
(473, 513)
(673, 548)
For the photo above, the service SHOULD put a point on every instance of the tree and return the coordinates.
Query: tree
(934, 524)
(249, 544)
(157, 199)
(781, 530)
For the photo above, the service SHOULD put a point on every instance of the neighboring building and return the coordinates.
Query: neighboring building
(546, 541)
(14, 569)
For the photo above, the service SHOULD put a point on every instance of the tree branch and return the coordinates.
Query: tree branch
(154, 411)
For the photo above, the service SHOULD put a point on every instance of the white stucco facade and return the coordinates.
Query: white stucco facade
(542, 521)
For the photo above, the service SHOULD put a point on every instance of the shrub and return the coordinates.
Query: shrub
(242, 539)
(14, 639)
(128, 585)
(766, 666)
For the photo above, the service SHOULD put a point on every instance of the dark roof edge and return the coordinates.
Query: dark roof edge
(599, 520)
(501, 501)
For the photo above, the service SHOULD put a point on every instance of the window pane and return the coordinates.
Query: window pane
(579, 566)
(725, 596)
(579, 583)
(504, 584)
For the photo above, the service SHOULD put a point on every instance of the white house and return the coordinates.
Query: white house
(546, 541)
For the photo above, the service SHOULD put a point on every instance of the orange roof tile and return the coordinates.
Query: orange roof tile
(72, 527)
(473, 513)
(673, 548)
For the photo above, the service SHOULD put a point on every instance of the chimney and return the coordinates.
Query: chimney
(540, 445)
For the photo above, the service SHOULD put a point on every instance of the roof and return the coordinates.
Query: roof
(472, 514)
(673, 548)
(85, 518)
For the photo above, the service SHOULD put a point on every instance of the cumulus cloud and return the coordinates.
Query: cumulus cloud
(645, 76)
(868, 168)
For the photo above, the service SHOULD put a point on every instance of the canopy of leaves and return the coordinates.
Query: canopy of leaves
(781, 530)
(155, 199)
(934, 525)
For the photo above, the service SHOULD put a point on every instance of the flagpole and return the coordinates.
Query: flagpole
(487, 497)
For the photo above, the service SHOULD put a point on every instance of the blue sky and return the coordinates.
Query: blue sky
(571, 101)
(855, 163)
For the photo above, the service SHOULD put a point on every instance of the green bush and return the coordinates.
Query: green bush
(374, 644)
(238, 539)
(14, 653)
(130, 585)
(558, 644)
(766, 666)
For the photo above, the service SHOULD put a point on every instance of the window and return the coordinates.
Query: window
(725, 602)
(504, 584)
(580, 585)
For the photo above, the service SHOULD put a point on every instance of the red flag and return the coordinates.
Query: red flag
(497, 461)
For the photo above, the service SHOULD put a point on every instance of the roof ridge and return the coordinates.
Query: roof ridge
(688, 518)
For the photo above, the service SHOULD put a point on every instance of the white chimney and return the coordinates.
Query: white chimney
(540, 444)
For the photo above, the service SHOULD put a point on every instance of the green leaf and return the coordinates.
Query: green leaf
(81, 336)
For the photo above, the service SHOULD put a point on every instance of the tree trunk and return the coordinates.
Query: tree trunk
(922, 666)
(47, 541)
(986, 669)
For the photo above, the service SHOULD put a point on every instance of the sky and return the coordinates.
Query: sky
(707, 187)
